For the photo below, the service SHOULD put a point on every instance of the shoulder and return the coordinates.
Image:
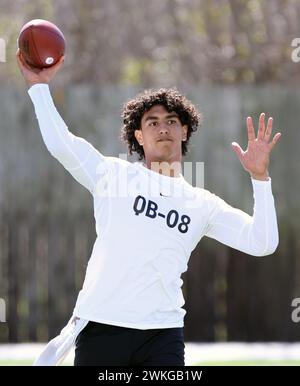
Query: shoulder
(201, 193)
(119, 165)
(200, 198)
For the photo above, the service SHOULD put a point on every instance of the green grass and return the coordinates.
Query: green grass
(16, 363)
(24, 363)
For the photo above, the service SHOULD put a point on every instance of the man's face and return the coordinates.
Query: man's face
(161, 134)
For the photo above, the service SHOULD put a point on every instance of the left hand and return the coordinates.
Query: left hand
(256, 158)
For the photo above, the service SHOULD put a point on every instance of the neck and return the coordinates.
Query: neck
(167, 168)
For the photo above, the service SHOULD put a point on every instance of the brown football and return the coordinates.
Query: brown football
(41, 43)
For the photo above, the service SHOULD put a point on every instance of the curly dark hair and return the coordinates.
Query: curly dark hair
(172, 100)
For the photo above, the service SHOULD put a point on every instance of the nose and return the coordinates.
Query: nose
(163, 129)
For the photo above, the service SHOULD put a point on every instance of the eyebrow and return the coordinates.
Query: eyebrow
(167, 116)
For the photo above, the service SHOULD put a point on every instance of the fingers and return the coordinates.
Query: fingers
(275, 140)
(264, 133)
(237, 149)
(250, 128)
(261, 126)
(20, 58)
(18, 55)
(60, 62)
(268, 129)
(22, 62)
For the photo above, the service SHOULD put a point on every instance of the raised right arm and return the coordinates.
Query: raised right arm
(78, 156)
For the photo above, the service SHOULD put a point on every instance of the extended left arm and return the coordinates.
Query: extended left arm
(256, 235)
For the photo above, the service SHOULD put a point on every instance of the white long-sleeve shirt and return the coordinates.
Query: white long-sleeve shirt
(147, 225)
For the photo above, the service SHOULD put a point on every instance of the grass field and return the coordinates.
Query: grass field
(203, 354)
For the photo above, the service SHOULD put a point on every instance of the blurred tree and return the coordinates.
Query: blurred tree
(162, 43)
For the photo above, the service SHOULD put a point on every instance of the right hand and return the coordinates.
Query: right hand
(34, 75)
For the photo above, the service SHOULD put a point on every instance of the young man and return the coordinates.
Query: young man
(148, 221)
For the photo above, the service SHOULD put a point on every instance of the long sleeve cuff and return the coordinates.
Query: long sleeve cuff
(260, 182)
(33, 91)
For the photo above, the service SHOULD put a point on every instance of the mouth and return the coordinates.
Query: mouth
(164, 140)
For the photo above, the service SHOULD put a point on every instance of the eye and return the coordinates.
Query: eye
(172, 121)
(153, 123)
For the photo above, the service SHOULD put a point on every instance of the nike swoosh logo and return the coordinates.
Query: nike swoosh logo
(164, 195)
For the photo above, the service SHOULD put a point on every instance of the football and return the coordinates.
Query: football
(41, 43)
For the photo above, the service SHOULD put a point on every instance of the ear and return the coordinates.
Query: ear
(139, 136)
(184, 132)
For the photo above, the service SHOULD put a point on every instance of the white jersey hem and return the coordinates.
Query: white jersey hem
(139, 326)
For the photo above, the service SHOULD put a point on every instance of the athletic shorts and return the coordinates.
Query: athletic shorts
(107, 345)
